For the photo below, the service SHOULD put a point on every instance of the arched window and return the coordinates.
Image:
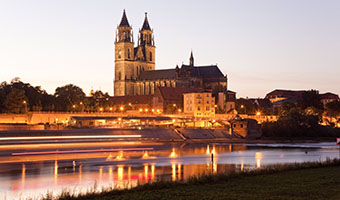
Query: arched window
(150, 56)
(128, 53)
(119, 76)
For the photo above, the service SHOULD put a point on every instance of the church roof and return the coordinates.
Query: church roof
(158, 74)
(176, 94)
(146, 25)
(124, 21)
(204, 71)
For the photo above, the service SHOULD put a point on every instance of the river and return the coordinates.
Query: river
(32, 171)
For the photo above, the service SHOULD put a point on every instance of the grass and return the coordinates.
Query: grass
(312, 180)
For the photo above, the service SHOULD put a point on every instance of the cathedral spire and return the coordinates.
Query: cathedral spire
(191, 59)
(146, 25)
(124, 21)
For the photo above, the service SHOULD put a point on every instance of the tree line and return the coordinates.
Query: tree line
(18, 97)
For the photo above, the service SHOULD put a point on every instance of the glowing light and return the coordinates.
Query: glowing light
(258, 157)
(215, 106)
(121, 108)
(139, 128)
(242, 106)
(81, 103)
(79, 151)
(146, 110)
(174, 105)
(141, 110)
(145, 155)
(111, 108)
(179, 110)
(24, 102)
(110, 172)
(153, 110)
(208, 150)
(120, 156)
(130, 104)
(73, 106)
(258, 113)
(242, 167)
(68, 137)
(213, 151)
(101, 109)
(173, 153)
(119, 119)
(173, 120)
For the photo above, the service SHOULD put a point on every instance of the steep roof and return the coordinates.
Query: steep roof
(176, 94)
(158, 74)
(204, 71)
(146, 25)
(124, 21)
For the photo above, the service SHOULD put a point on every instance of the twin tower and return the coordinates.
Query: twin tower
(130, 61)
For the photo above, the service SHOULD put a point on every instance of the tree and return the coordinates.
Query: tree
(245, 106)
(16, 101)
(309, 99)
(69, 98)
(333, 109)
(285, 108)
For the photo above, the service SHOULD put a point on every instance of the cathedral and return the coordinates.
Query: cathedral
(135, 72)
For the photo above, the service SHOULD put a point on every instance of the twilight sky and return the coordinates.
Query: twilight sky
(260, 44)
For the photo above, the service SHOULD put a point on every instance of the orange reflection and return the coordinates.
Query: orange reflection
(208, 150)
(179, 171)
(146, 170)
(23, 174)
(242, 166)
(120, 172)
(173, 166)
(153, 171)
(100, 173)
(258, 157)
(80, 172)
(110, 173)
(55, 172)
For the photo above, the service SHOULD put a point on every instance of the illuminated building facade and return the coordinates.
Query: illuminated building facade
(200, 104)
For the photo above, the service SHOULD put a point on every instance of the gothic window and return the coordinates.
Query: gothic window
(119, 53)
(119, 76)
(128, 53)
(150, 56)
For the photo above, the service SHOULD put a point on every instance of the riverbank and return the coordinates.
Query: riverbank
(313, 180)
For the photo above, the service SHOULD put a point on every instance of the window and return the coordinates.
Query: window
(119, 53)
(198, 108)
(207, 101)
(207, 95)
(234, 125)
(119, 76)
(150, 56)
(241, 125)
(128, 53)
(199, 101)
(207, 108)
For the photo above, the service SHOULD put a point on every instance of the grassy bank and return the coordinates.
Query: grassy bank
(296, 181)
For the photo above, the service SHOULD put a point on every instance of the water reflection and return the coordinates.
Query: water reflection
(128, 168)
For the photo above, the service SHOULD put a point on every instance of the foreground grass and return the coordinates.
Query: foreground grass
(297, 181)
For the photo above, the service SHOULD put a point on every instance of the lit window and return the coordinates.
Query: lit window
(198, 108)
(207, 108)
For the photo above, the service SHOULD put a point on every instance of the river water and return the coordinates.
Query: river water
(33, 171)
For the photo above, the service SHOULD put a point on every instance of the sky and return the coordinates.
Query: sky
(261, 45)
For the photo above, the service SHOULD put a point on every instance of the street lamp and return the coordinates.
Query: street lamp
(121, 108)
(25, 103)
(258, 113)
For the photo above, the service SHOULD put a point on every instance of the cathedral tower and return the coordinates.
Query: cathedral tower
(124, 58)
(146, 47)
